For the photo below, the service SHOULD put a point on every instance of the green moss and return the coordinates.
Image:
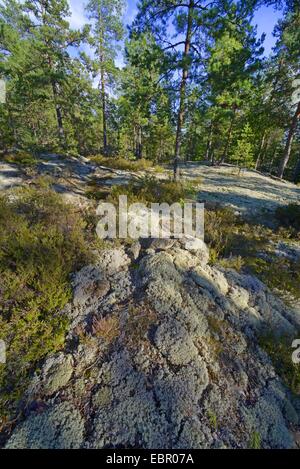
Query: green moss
(212, 419)
(41, 242)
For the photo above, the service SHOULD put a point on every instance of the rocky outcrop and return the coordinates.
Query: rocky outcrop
(162, 352)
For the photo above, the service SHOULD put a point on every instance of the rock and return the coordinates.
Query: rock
(161, 244)
(196, 246)
(239, 296)
(57, 372)
(183, 371)
(59, 427)
(112, 261)
(175, 343)
(134, 250)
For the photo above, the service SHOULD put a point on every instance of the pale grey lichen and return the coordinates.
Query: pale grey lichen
(59, 427)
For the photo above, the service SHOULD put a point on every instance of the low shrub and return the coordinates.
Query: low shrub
(289, 217)
(42, 240)
(280, 352)
(151, 190)
(20, 158)
(123, 164)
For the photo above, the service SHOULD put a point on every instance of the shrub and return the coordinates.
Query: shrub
(151, 190)
(106, 328)
(123, 164)
(42, 241)
(278, 273)
(289, 217)
(280, 351)
(21, 158)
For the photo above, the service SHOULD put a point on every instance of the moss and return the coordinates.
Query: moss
(42, 240)
(213, 420)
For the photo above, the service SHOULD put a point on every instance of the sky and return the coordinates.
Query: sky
(265, 19)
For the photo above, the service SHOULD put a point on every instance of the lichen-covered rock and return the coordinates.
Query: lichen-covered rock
(179, 368)
(59, 427)
(175, 343)
(56, 373)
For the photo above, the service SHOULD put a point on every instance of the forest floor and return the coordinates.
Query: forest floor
(249, 193)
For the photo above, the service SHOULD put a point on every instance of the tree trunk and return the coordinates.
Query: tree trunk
(228, 140)
(139, 146)
(262, 144)
(103, 99)
(288, 147)
(102, 78)
(209, 143)
(185, 72)
(297, 172)
(59, 118)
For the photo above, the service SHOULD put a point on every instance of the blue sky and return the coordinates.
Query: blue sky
(265, 19)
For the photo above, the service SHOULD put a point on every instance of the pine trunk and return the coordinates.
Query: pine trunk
(288, 147)
(259, 156)
(59, 118)
(103, 99)
(209, 143)
(183, 83)
(228, 140)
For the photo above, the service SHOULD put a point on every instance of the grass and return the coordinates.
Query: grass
(42, 240)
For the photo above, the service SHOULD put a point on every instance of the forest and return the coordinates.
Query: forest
(195, 83)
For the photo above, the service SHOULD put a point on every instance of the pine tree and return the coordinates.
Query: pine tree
(107, 31)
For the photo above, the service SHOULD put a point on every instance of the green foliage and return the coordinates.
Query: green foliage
(280, 274)
(123, 164)
(255, 440)
(213, 420)
(242, 154)
(20, 158)
(280, 351)
(151, 190)
(237, 244)
(41, 242)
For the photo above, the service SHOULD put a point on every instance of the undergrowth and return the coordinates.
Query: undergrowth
(124, 164)
(42, 240)
(149, 190)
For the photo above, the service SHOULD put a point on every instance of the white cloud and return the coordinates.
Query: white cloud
(78, 17)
